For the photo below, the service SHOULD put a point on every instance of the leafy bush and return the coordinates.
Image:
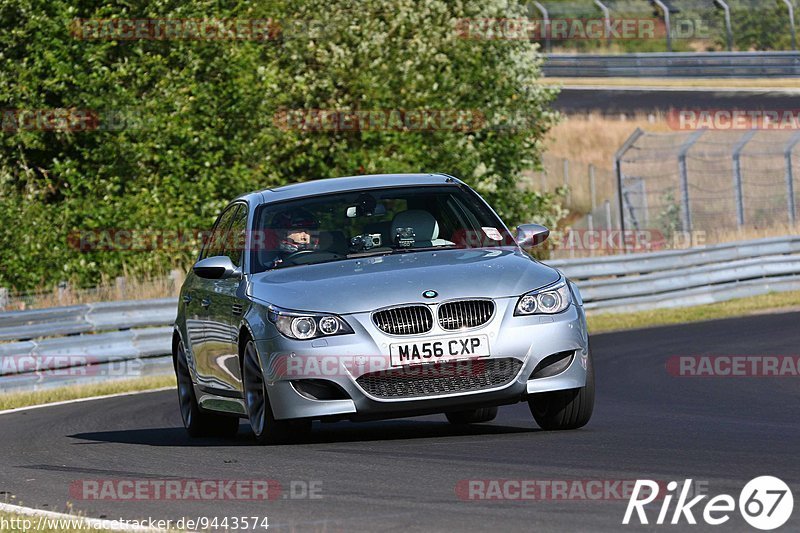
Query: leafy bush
(197, 118)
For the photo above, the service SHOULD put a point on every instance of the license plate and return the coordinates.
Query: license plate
(442, 349)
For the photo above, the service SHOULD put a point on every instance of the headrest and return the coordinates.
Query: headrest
(425, 226)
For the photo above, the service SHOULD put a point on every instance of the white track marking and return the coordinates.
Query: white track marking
(79, 400)
(87, 523)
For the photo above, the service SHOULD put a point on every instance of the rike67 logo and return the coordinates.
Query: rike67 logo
(766, 503)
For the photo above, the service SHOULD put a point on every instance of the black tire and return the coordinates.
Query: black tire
(266, 429)
(567, 409)
(474, 416)
(198, 423)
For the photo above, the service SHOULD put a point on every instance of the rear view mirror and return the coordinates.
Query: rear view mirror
(531, 235)
(218, 267)
(360, 211)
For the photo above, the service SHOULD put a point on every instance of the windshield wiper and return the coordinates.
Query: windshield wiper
(355, 255)
(427, 248)
(386, 251)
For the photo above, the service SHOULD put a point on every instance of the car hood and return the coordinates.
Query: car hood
(359, 285)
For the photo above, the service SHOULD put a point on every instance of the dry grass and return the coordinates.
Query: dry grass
(59, 394)
(593, 139)
(777, 302)
(585, 140)
(106, 291)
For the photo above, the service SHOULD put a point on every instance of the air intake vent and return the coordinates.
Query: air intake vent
(465, 314)
(409, 320)
(440, 378)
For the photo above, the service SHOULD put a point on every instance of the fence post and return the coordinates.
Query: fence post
(793, 142)
(618, 169)
(608, 215)
(176, 277)
(592, 186)
(122, 286)
(3, 298)
(590, 222)
(548, 47)
(665, 9)
(724, 5)
(737, 174)
(63, 289)
(791, 23)
(607, 16)
(684, 174)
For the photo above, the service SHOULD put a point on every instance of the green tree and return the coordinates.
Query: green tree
(198, 122)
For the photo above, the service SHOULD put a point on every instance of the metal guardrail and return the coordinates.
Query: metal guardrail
(97, 336)
(674, 65)
(86, 318)
(85, 343)
(682, 278)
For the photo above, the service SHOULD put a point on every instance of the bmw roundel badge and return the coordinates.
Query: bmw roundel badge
(430, 294)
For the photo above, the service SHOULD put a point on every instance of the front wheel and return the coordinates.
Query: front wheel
(198, 423)
(266, 429)
(565, 409)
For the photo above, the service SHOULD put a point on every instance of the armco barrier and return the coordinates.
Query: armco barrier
(638, 282)
(107, 333)
(674, 65)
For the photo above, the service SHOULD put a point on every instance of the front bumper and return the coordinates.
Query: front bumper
(343, 359)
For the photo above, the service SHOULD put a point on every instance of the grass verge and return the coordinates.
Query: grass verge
(779, 301)
(24, 399)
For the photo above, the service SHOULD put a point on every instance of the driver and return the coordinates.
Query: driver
(297, 231)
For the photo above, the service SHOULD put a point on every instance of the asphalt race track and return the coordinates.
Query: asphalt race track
(630, 101)
(401, 475)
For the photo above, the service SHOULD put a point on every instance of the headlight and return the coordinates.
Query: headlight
(304, 326)
(547, 301)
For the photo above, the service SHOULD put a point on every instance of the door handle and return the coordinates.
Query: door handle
(205, 302)
(187, 298)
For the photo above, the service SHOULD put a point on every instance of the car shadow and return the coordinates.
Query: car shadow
(327, 433)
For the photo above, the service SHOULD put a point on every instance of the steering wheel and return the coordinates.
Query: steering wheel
(292, 256)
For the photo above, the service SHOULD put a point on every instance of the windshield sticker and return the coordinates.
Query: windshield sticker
(493, 234)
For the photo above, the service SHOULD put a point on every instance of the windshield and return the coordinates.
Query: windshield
(354, 224)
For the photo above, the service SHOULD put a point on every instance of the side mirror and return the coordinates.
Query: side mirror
(218, 267)
(531, 235)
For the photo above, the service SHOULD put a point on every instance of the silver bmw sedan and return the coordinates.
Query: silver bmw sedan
(375, 297)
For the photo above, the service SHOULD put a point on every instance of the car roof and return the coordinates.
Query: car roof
(349, 183)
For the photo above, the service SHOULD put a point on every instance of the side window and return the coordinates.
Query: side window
(235, 242)
(216, 242)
